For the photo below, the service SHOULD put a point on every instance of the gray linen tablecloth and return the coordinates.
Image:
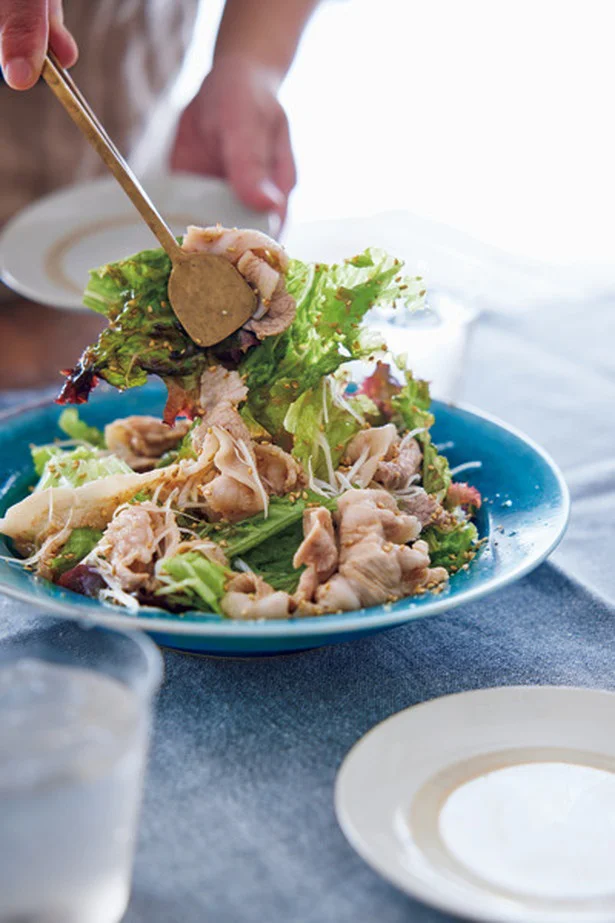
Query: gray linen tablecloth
(238, 823)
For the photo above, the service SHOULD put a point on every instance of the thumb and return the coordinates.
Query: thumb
(24, 31)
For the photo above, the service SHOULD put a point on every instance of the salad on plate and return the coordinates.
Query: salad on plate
(279, 483)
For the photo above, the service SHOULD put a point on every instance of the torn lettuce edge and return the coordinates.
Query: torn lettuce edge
(327, 331)
(73, 468)
(144, 337)
(322, 422)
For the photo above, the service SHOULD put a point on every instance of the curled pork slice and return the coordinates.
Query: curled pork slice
(237, 491)
(136, 536)
(376, 572)
(259, 273)
(221, 393)
(365, 513)
(367, 450)
(278, 313)
(400, 465)
(376, 565)
(262, 262)
(229, 499)
(232, 243)
(249, 597)
(142, 440)
(224, 479)
(379, 455)
(279, 471)
(318, 551)
(425, 507)
(220, 388)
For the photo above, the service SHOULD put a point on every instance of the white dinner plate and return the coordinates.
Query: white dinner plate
(495, 804)
(48, 248)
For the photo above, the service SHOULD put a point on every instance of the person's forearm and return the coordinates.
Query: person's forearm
(266, 31)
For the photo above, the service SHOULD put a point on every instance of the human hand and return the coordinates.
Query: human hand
(235, 128)
(27, 29)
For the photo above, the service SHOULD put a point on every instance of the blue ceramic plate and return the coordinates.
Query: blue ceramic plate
(523, 519)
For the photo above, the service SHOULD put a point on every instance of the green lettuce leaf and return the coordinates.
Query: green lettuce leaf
(412, 404)
(143, 337)
(256, 430)
(41, 454)
(451, 548)
(192, 581)
(77, 429)
(74, 468)
(436, 470)
(273, 559)
(237, 538)
(326, 332)
(321, 427)
(79, 544)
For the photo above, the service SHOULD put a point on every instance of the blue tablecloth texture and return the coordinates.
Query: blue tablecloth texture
(238, 823)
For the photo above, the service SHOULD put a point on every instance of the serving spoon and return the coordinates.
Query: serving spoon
(209, 297)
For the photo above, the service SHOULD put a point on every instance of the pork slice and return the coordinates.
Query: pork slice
(400, 465)
(367, 450)
(248, 596)
(142, 440)
(279, 471)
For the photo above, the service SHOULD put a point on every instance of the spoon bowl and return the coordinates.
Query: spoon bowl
(209, 296)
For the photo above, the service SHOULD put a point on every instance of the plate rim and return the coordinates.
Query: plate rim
(70, 190)
(333, 624)
(413, 884)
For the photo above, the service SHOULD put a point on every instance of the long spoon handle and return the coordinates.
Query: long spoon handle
(64, 87)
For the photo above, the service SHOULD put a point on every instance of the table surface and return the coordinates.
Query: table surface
(238, 823)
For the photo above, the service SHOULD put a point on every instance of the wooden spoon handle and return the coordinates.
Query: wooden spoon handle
(62, 84)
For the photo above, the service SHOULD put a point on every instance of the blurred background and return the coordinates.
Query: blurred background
(491, 118)
(473, 140)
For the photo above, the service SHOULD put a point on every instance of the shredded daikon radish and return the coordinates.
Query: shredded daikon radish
(466, 467)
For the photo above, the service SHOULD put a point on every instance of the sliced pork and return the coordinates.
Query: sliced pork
(378, 455)
(367, 450)
(262, 262)
(238, 491)
(135, 537)
(142, 440)
(279, 471)
(376, 565)
(249, 597)
(318, 551)
(400, 466)
(424, 506)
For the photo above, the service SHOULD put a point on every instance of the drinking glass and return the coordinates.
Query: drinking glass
(75, 707)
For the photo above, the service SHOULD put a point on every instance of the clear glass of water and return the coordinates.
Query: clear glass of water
(75, 708)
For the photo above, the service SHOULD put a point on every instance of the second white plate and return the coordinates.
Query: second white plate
(496, 804)
(47, 249)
